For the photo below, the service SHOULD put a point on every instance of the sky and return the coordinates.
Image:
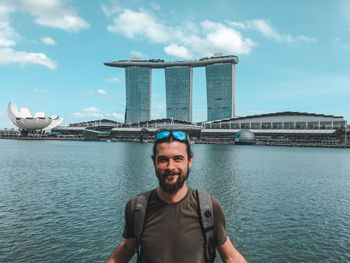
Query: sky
(294, 55)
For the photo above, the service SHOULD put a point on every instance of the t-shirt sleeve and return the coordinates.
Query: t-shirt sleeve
(129, 216)
(220, 233)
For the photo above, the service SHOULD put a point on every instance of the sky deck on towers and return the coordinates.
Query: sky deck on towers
(158, 63)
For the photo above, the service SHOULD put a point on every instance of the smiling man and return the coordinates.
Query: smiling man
(172, 222)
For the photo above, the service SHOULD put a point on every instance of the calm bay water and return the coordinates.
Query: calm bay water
(63, 201)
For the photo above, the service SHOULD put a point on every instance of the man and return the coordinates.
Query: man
(172, 231)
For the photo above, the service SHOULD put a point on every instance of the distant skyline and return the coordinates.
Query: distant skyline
(293, 55)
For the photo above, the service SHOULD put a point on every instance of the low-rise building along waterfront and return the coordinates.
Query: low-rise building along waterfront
(281, 128)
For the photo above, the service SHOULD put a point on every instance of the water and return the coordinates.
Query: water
(63, 201)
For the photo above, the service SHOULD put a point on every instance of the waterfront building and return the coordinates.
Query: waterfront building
(178, 83)
(178, 77)
(281, 128)
(138, 84)
(27, 122)
(283, 121)
(220, 80)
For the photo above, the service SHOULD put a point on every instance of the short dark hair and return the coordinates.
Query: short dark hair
(172, 139)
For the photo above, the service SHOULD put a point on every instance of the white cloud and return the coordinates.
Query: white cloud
(186, 41)
(54, 13)
(112, 9)
(133, 24)
(158, 112)
(8, 56)
(138, 54)
(178, 51)
(307, 39)
(155, 6)
(92, 109)
(93, 112)
(117, 116)
(40, 90)
(220, 38)
(8, 36)
(237, 24)
(114, 80)
(101, 91)
(265, 28)
(48, 41)
(89, 112)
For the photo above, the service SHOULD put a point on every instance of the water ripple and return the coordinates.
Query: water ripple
(64, 201)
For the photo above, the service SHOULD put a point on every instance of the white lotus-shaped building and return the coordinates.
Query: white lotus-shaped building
(24, 120)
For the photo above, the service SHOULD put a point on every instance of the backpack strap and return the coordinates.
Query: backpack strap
(205, 211)
(139, 218)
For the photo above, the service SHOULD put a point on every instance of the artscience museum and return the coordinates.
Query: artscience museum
(24, 120)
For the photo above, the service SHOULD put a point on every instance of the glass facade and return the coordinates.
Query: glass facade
(255, 125)
(220, 80)
(178, 82)
(288, 125)
(300, 125)
(138, 94)
(277, 125)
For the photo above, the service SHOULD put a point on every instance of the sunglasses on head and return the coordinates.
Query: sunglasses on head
(177, 135)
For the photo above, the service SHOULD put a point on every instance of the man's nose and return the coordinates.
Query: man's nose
(171, 164)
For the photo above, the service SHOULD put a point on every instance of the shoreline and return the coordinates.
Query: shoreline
(68, 138)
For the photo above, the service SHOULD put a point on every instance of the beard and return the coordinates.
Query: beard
(173, 187)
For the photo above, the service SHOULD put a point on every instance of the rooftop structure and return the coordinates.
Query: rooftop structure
(159, 63)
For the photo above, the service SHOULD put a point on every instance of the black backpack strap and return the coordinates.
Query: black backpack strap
(139, 218)
(205, 211)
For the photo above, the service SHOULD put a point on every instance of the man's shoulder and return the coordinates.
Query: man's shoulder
(213, 199)
(217, 208)
(131, 203)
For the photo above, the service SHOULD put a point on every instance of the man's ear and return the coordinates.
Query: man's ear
(190, 162)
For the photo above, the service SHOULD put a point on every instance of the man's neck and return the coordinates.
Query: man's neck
(172, 198)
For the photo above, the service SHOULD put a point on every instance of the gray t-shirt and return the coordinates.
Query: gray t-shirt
(172, 232)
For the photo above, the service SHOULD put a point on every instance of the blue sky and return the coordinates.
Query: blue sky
(294, 55)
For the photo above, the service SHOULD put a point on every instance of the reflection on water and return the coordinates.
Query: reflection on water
(63, 201)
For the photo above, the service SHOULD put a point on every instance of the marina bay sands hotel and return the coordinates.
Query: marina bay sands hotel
(220, 83)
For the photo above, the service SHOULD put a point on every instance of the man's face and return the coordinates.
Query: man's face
(172, 165)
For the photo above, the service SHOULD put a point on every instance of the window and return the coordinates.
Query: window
(255, 125)
(245, 125)
(277, 125)
(338, 124)
(300, 125)
(235, 125)
(266, 125)
(288, 125)
(312, 125)
(325, 124)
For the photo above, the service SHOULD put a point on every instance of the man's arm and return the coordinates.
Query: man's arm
(229, 254)
(124, 252)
